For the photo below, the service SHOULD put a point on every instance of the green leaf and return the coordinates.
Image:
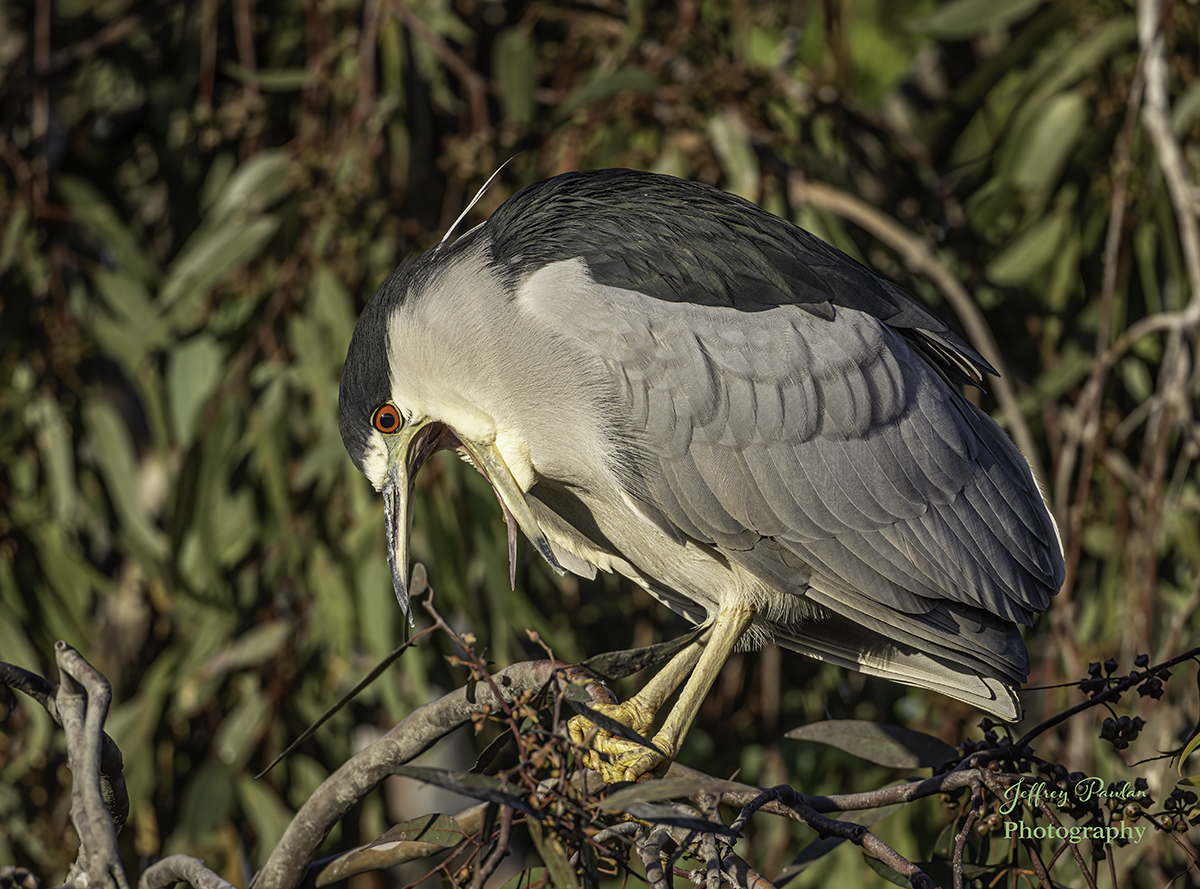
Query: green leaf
(1049, 141)
(479, 787)
(194, 369)
(966, 18)
(333, 309)
(238, 736)
(731, 141)
(278, 80)
(266, 812)
(256, 646)
(1188, 750)
(1136, 377)
(939, 871)
(821, 847)
(253, 187)
(886, 872)
(1030, 252)
(93, 211)
(888, 745)
(219, 171)
(118, 467)
(207, 802)
(209, 255)
(439, 830)
(334, 625)
(657, 813)
(667, 788)
(514, 70)
(1073, 365)
(1082, 59)
(130, 300)
(53, 436)
(624, 80)
(533, 878)
(554, 856)
(236, 526)
(16, 226)
(618, 664)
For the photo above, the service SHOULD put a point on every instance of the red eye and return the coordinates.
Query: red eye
(387, 419)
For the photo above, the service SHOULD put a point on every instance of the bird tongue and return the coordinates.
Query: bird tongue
(511, 523)
(510, 520)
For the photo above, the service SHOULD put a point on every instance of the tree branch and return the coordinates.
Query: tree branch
(361, 774)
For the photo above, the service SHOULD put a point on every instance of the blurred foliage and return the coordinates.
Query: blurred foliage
(196, 200)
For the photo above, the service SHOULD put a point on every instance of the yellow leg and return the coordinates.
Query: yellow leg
(703, 660)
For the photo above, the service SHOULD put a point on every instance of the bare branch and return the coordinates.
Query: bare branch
(960, 842)
(181, 868)
(83, 698)
(1157, 118)
(367, 769)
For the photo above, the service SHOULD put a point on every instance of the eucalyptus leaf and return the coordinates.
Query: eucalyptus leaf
(276, 80)
(514, 70)
(961, 19)
(118, 466)
(254, 647)
(731, 141)
(253, 187)
(822, 846)
(267, 813)
(334, 624)
(332, 308)
(553, 855)
(439, 830)
(129, 298)
(1030, 252)
(45, 417)
(624, 80)
(667, 788)
(532, 878)
(194, 370)
(656, 813)
(479, 787)
(209, 255)
(1048, 142)
(887, 745)
(89, 206)
(237, 737)
(618, 664)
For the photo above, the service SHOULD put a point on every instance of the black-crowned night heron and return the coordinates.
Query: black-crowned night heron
(666, 381)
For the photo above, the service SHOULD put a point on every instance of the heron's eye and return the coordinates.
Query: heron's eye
(387, 419)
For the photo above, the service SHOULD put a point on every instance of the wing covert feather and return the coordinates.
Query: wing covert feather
(830, 459)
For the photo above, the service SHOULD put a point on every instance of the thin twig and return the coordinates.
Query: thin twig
(960, 842)
(1083, 868)
(501, 851)
(1157, 118)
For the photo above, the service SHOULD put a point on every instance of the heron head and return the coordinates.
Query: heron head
(415, 382)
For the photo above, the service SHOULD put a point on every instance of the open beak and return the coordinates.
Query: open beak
(411, 449)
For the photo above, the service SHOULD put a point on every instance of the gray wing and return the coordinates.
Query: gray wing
(827, 457)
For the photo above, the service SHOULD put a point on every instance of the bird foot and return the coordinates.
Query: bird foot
(616, 758)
